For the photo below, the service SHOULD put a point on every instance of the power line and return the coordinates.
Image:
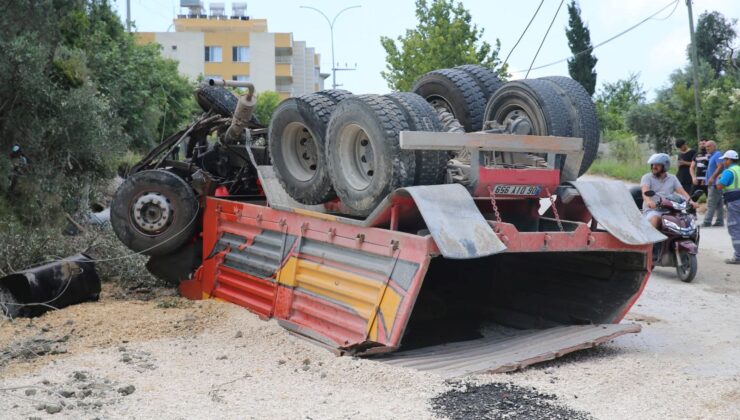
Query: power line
(545, 37)
(524, 32)
(604, 42)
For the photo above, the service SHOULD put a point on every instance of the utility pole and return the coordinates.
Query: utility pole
(695, 65)
(128, 15)
(334, 64)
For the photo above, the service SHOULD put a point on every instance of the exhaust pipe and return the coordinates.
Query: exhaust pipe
(244, 109)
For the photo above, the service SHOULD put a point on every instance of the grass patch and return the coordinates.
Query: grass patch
(627, 171)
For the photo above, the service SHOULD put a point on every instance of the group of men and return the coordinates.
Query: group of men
(708, 169)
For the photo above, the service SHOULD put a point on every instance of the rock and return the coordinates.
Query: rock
(53, 408)
(281, 362)
(45, 328)
(69, 322)
(84, 393)
(238, 334)
(126, 390)
(549, 371)
(305, 368)
(306, 361)
(79, 376)
(45, 382)
(30, 392)
(222, 357)
(126, 358)
(66, 393)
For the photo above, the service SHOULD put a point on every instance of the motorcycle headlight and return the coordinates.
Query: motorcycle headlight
(672, 226)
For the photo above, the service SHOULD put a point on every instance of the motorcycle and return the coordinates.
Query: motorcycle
(678, 223)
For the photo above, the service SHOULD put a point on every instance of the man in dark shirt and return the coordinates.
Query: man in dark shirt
(685, 158)
(698, 168)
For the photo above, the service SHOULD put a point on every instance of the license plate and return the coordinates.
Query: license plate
(516, 190)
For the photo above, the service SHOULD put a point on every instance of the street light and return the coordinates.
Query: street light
(331, 29)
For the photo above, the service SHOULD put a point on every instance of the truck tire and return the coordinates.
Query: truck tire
(365, 160)
(487, 80)
(587, 123)
(457, 92)
(548, 112)
(219, 100)
(154, 211)
(297, 135)
(336, 95)
(431, 165)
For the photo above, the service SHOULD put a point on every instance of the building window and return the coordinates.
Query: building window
(213, 54)
(240, 78)
(240, 54)
(174, 47)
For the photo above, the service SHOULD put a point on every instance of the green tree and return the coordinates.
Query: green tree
(581, 65)
(715, 35)
(267, 101)
(652, 123)
(614, 100)
(444, 37)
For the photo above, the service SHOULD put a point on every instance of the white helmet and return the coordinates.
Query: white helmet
(730, 154)
(660, 159)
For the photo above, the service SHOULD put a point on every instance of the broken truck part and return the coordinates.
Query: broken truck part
(50, 286)
(364, 239)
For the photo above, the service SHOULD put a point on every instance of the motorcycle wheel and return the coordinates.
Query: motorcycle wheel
(686, 267)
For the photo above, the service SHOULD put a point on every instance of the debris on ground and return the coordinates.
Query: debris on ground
(502, 401)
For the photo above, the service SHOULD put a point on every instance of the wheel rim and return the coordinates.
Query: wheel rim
(524, 119)
(684, 266)
(357, 156)
(300, 154)
(440, 102)
(152, 213)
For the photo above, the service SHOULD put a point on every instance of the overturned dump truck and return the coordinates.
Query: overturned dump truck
(445, 225)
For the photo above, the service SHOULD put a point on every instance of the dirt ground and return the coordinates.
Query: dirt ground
(124, 357)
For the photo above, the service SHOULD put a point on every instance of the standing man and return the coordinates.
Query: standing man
(685, 159)
(698, 168)
(714, 196)
(729, 183)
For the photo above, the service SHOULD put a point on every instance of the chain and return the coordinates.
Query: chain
(493, 204)
(554, 209)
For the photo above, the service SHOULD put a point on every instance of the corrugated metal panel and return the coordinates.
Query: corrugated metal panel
(340, 325)
(261, 258)
(504, 354)
(245, 290)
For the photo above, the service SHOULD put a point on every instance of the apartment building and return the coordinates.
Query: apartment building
(234, 46)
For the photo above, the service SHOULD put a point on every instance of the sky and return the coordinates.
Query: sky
(653, 50)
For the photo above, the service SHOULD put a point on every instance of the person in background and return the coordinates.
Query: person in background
(19, 166)
(685, 158)
(698, 168)
(729, 184)
(714, 196)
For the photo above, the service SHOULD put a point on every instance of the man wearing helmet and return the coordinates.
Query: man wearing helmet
(729, 184)
(662, 183)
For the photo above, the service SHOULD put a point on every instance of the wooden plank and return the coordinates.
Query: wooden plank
(423, 140)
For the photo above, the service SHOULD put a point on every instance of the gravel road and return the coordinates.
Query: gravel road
(173, 358)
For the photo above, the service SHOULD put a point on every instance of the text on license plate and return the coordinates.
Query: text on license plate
(517, 190)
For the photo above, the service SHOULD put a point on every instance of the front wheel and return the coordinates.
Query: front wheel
(686, 267)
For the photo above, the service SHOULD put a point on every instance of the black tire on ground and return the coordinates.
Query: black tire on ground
(541, 102)
(431, 165)
(297, 135)
(487, 80)
(686, 267)
(456, 91)
(365, 160)
(587, 123)
(154, 212)
(336, 95)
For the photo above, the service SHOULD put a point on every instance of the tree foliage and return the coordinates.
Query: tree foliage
(581, 65)
(77, 94)
(714, 37)
(615, 100)
(267, 101)
(444, 37)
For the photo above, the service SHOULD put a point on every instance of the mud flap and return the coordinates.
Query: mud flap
(506, 352)
(610, 203)
(454, 221)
